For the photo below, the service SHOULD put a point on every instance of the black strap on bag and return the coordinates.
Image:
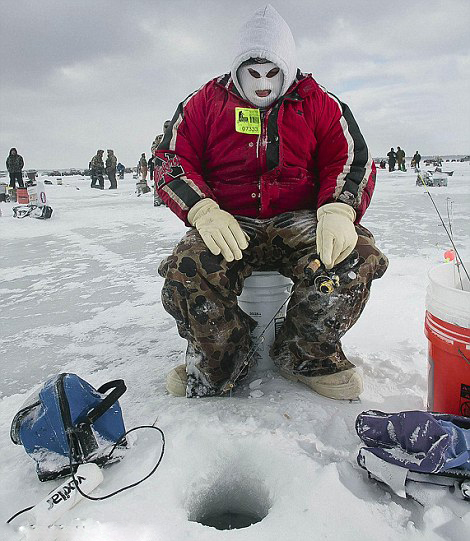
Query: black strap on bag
(119, 388)
(84, 442)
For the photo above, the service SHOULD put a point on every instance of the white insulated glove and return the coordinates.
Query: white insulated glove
(219, 230)
(336, 234)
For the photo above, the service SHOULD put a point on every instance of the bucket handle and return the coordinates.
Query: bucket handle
(464, 356)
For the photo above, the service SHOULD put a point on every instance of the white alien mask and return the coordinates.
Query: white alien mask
(261, 83)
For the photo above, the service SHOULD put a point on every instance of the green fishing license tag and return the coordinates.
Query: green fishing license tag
(247, 121)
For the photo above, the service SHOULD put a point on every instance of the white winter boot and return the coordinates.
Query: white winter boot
(176, 381)
(345, 385)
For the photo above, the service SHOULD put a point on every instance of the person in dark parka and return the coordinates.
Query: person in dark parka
(111, 162)
(417, 158)
(15, 164)
(97, 170)
(392, 159)
(400, 154)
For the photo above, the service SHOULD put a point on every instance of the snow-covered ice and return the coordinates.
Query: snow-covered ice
(80, 293)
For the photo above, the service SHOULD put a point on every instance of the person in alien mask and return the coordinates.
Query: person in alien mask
(270, 172)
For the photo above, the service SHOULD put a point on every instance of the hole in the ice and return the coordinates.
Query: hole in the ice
(230, 504)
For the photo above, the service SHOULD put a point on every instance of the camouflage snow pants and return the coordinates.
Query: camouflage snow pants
(200, 292)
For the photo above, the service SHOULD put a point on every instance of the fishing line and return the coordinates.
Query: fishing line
(443, 225)
(450, 218)
(252, 351)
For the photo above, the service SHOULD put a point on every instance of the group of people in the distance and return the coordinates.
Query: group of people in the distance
(397, 158)
(15, 165)
(144, 167)
(98, 167)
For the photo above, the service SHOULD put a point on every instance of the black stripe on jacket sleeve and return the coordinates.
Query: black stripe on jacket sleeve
(357, 171)
(183, 191)
(352, 181)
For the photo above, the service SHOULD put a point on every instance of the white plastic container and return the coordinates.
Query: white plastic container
(64, 497)
(41, 193)
(33, 195)
(445, 297)
(263, 294)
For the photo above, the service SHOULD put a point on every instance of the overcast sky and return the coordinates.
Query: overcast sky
(78, 75)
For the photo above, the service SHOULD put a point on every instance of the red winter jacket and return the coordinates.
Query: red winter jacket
(309, 152)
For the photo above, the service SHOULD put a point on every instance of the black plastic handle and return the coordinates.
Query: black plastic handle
(119, 388)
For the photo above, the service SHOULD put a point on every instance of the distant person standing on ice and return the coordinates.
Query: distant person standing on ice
(159, 138)
(97, 170)
(272, 173)
(392, 157)
(417, 159)
(15, 164)
(111, 162)
(151, 165)
(401, 159)
(157, 200)
(120, 170)
(143, 167)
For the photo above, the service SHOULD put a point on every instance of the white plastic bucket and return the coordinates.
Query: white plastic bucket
(447, 327)
(33, 194)
(263, 294)
(445, 297)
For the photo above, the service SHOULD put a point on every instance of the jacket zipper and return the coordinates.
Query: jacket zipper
(261, 150)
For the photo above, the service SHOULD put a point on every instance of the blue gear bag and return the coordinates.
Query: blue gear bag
(69, 421)
(417, 440)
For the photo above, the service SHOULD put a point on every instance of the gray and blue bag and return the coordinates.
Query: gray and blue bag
(68, 423)
(416, 446)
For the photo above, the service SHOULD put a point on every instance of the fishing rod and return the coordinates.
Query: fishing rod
(325, 282)
(444, 225)
(450, 217)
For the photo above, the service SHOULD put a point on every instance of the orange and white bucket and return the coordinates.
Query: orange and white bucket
(22, 196)
(447, 328)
